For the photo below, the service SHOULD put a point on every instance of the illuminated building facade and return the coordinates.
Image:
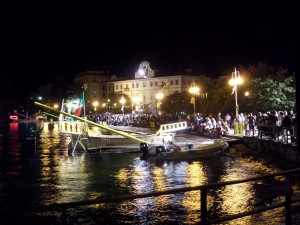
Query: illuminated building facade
(142, 90)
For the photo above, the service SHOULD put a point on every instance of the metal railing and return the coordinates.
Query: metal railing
(287, 203)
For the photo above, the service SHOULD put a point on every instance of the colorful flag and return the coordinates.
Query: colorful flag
(77, 111)
(193, 100)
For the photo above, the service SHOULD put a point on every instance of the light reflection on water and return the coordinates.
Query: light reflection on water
(47, 173)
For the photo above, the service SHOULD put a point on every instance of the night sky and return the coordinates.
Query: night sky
(43, 39)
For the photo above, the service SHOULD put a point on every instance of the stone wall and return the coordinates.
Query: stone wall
(286, 151)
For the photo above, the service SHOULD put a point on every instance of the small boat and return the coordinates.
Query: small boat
(174, 152)
(106, 138)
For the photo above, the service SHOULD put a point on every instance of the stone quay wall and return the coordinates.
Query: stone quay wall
(284, 151)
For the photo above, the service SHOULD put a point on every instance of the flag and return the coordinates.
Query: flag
(233, 90)
(193, 100)
(77, 111)
(158, 105)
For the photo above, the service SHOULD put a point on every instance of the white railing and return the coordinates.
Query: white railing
(171, 127)
(71, 127)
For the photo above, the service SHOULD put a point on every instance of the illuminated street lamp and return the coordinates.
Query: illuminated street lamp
(235, 80)
(122, 101)
(95, 104)
(159, 96)
(136, 103)
(194, 89)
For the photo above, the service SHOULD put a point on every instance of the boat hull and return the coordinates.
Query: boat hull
(209, 151)
(114, 143)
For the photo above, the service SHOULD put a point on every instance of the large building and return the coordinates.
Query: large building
(145, 91)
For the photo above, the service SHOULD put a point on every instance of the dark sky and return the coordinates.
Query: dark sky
(40, 39)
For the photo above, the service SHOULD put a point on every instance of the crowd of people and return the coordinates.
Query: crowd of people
(275, 125)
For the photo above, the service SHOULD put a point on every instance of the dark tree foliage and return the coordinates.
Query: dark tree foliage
(269, 94)
(270, 88)
(177, 103)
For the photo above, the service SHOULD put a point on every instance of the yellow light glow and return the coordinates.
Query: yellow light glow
(122, 100)
(95, 103)
(237, 81)
(159, 96)
(194, 89)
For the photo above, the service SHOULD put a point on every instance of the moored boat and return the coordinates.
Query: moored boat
(105, 138)
(171, 151)
(87, 135)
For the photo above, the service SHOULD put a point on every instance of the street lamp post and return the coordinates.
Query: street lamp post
(235, 80)
(194, 89)
(122, 101)
(135, 103)
(159, 96)
(95, 104)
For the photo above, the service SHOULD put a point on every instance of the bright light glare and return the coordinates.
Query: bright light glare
(122, 100)
(95, 103)
(159, 95)
(238, 80)
(194, 90)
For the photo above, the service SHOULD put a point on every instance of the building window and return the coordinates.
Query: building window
(137, 85)
(117, 87)
(156, 83)
(121, 86)
(176, 82)
(132, 85)
(151, 84)
(144, 84)
(171, 82)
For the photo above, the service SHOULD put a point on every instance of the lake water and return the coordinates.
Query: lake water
(36, 168)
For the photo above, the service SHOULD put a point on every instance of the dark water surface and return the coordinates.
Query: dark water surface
(41, 171)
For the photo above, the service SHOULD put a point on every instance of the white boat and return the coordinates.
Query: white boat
(88, 135)
(85, 137)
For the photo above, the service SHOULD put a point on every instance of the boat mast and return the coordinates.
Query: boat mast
(84, 114)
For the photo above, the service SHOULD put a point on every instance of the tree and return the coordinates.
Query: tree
(177, 103)
(268, 94)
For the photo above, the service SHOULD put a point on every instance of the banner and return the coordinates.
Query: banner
(193, 100)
